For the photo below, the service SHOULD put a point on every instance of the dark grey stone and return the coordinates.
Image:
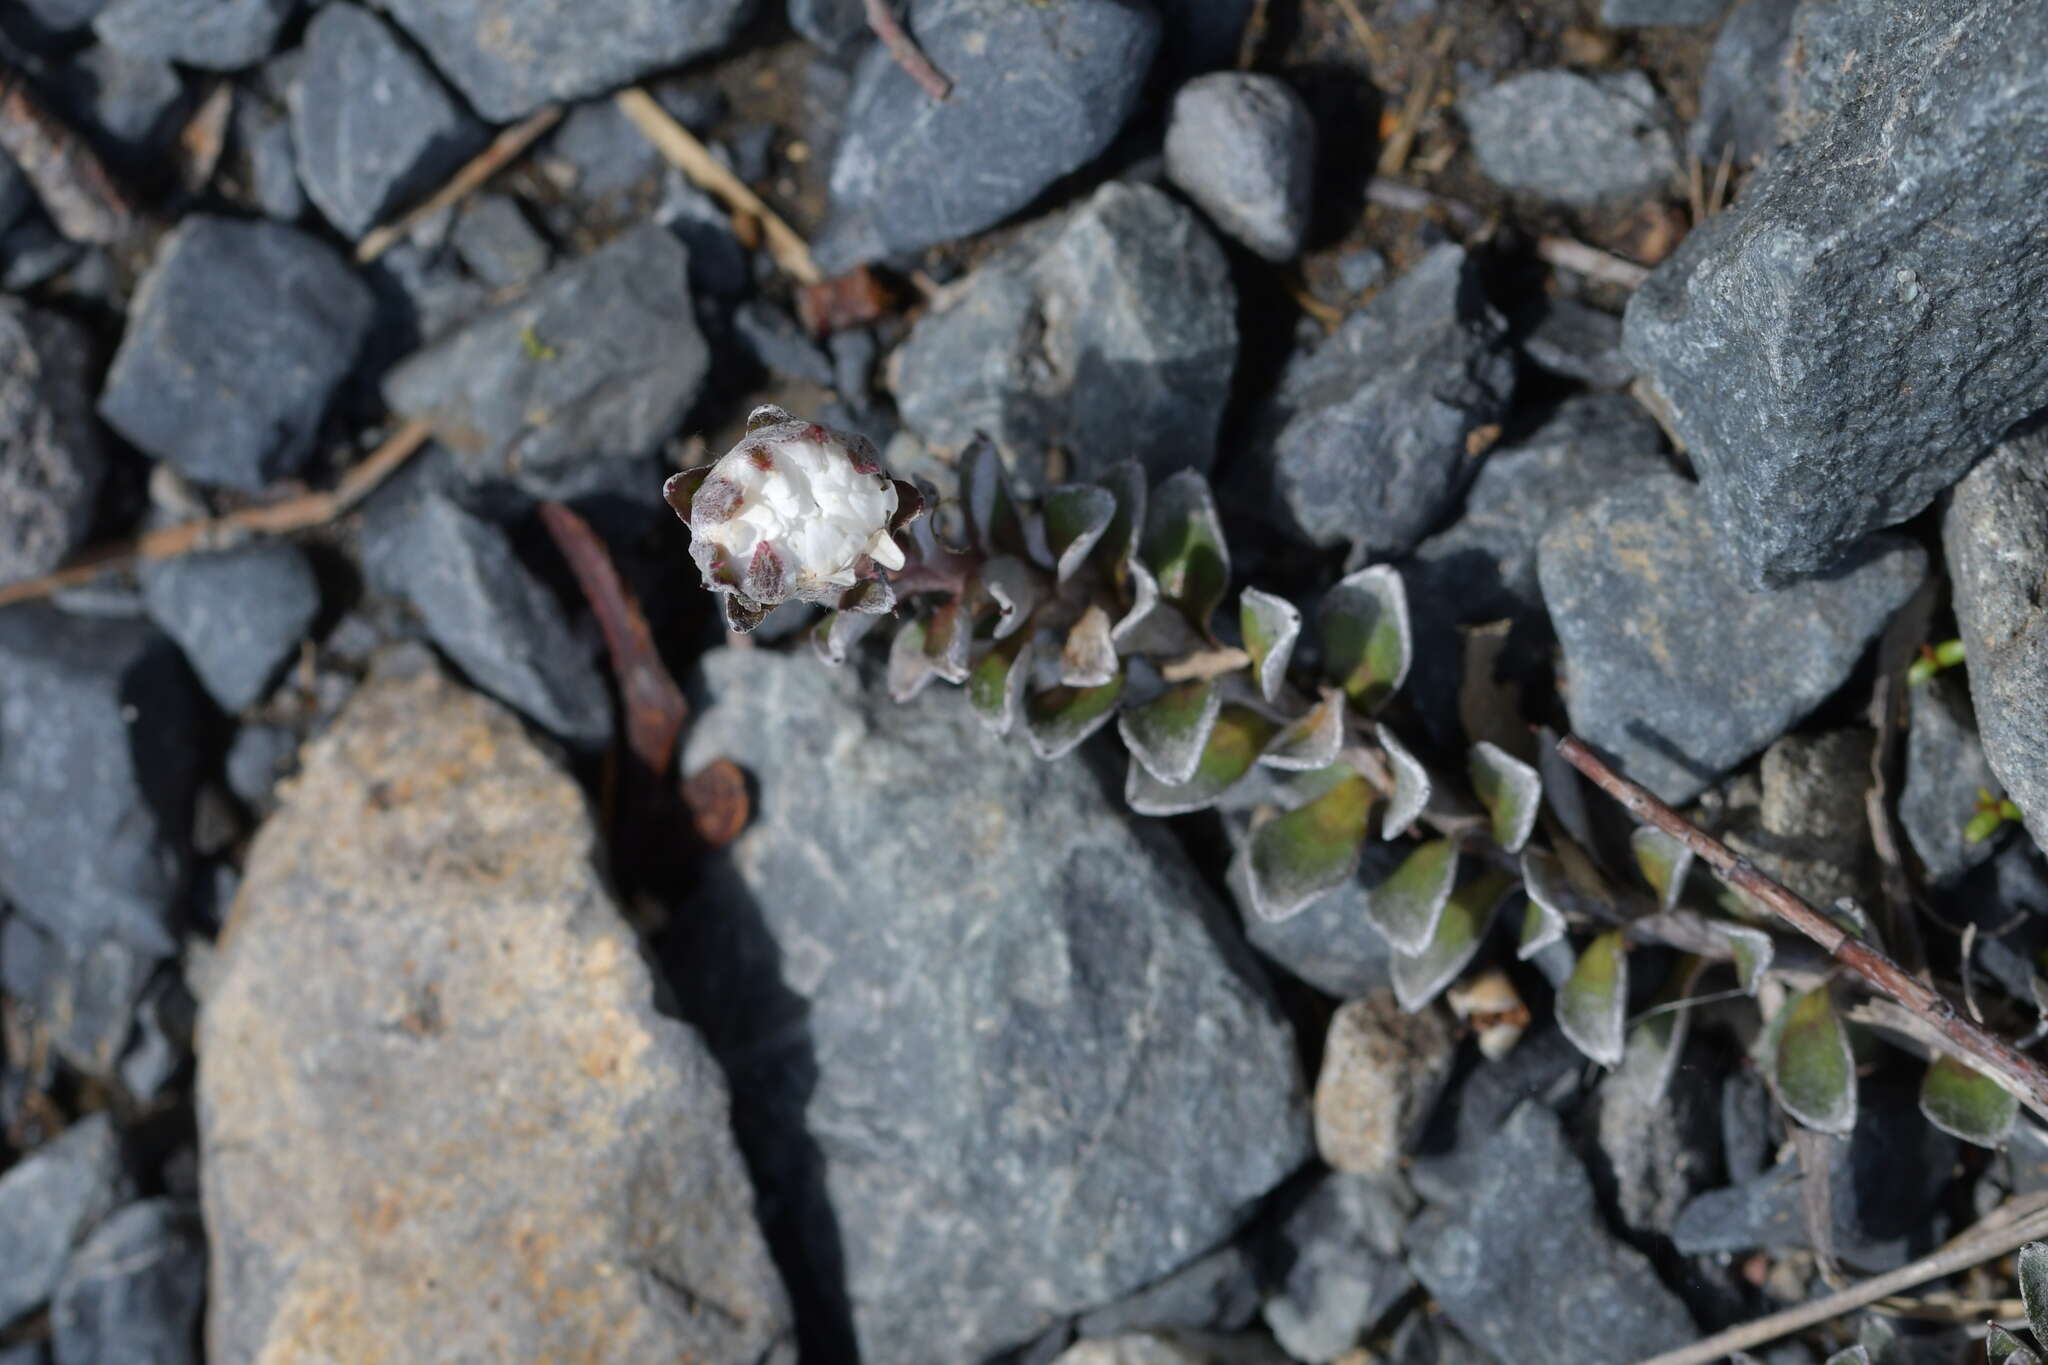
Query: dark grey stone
(1243, 147)
(1660, 13)
(1200, 35)
(374, 128)
(609, 154)
(217, 35)
(1034, 1077)
(1810, 829)
(779, 344)
(49, 1201)
(1996, 536)
(497, 243)
(1495, 1265)
(1360, 269)
(1569, 338)
(1366, 442)
(1038, 92)
(1340, 1267)
(52, 456)
(1829, 54)
(602, 358)
(238, 614)
(86, 997)
(834, 25)
(1747, 83)
(439, 294)
(162, 1044)
(33, 253)
(258, 756)
(1453, 1157)
(16, 197)
(132, 101)
(487, 613)
(27, 1353)
(747, 151)
(510, 59)
(1868, 317)
(1651, 1154)
(719, 266)
(1579, 140)
(240, 334)
(269, 163)
(133, 1291)
(1945, 769)
(61, 17)
(1110, 333)
(109, 698)
(1676, 669)
(854, 351)
(1747, 1135)
(1217, 1293)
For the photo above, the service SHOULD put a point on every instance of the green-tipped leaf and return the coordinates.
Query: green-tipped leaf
(1059, 718)
(1311, 741)
(1854, 1355)
(1511, 791)
(1593, 1004)
(1650, 1057)
(1235, 738)
(1366, 641)
(1412, 785)
(1964, 1102)
(1460, 929)
(1076, 516)
(996, 682)
(1406, 906)
(1016, 589)
(1168, 734)
(1663, 860)
(2033, 1261)
(2003, 1348)
(1543, 922)
(839, 632)
(1812, 1069)
(1270, 626)
(1298, 856)
(1119, 543)
(1751, 950)
(1184, 546)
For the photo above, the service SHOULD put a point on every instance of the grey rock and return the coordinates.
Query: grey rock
(16, 196)
(132, 101)
(1038, 92)
(1383, 1069)
(52, 456)
(1945, 769)
(33, 253)
(1110, 333)
(1331, 944)
(238, 614)
(373, 126)
(1830, 53)
(1342, 1249)
(109, 698)
(497, 243)
(262, 149)
(510, 59)
(240, 334)
(1201, 35)
(1243, 147)
(258, 757)
(1861, 326)
(1747, 84)
(439, 294)
(1366, 442)
(1996, 536)
(61, 17)
(86, 997)
(1454, 1158)
(779, 344)
(1675, 668)
(1493, 1265)
(162, 1044)
(602, 358)
(1809, 830)
(1747, 1137)
(1360, 269)
(1578, 140)
(834, 25)
(720, 267)
(49, 1201)
(133, 1292)
(216, 35)
(27, 1353)
(487, 613)
(480, 1073)
(1037, 1074)
(1660, 13)
(1651, 1154)
(1569, 338)
(1138, 1348)
(1216, 1293)
(605, 149)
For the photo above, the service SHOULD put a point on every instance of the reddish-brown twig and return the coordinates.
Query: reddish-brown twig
(1992, 1055)
(905, 50)
(77, 192)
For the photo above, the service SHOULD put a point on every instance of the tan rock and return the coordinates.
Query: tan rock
(1381, 1073)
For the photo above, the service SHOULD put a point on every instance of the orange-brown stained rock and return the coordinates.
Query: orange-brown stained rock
(440, 1118)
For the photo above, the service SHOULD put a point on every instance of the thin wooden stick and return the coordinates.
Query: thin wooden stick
(505, 148)
(1992, 1055)
(1564, 252)
(278, 518)
(1591, 262)
(694, 159)
(1375, 46)
(1394, 156)
(69, 178)
(905, 50)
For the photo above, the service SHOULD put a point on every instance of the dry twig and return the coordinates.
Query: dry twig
(1375, 46)
(67, 175)
(505, 148)
(905, 50)
(1394, 156)
(1563, 252)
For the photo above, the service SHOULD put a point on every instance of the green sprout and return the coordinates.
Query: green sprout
(1933, 659)
(1992, 811)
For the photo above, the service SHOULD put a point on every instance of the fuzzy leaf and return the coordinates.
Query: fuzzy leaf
(1298, 856)
(1152, 625)
(1184, 546)
(1752, 950)
(1650, 1058)
(1089, 658)
(910, 667)
(1854, 1355)
(839, 632)
(949, 633)
(991, 510)
(1366, 642)
(1592, 1006)
(2034, 1287)
(1312, 740)
(1119, 543)
(1059, 718)
(996, 682)
(2003, 1348)
(1965, 1103)
(1169, 733)
(1460, 929)
(1270, 626)
(1511, 791)
(1412, 785)
(1076, 515)
(1406, 906)
(1543, 922)
(1812, 1069)
(1235, 739)
(1663, 860)
(1015, 587)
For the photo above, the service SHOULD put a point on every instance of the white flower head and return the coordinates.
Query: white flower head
(794, 510)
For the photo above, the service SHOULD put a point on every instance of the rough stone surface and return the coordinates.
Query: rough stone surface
(1110, 334)
(1342, 1249)
(238, 614)
(1747, 83)
(59, 17)
(1579, 342)
(497, 243)
(1809, 828)
(1034, 1076)
(1494, 1265)
(487, 613)
(510, 59)
(1674, 667)
(431, 1025)
(97, 721)
(1653, 1153)
(49, 1201)
(218, 35)
(240, 333)
(133, 1291)
(1579, 140)
(262, 147)
(1382, 1071)
(373, 126)
(85, 996)
(1038, 91)
(1135, 1348)
(602, 358)
(132, 102)
(52, 458)
(1868, 318)
(1945, 769)
(1660, 13)
(1219, 1292)
(1454, 1153)
(1996, 535)
(1243, 147)
(1366, 442)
